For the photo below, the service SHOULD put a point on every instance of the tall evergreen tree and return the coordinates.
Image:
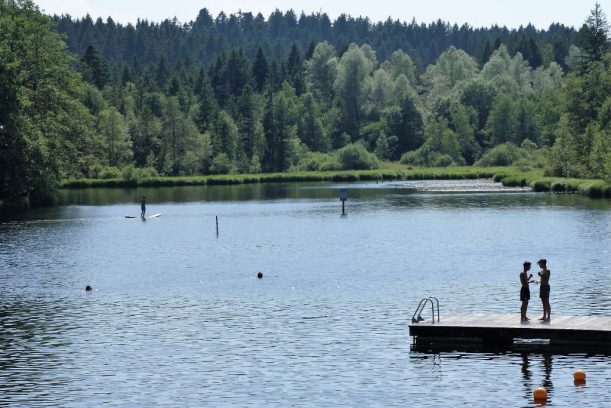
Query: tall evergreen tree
(485, 53)
(174, 87)
(161, 72)
(294, 68)
(247, 123)
(410, 128)
(95, 69)
(279, 130)
(126, 76)
(218, 80)
(594, 35)
(260, 70)
(206, 103)
(535, 59)
(236, 73)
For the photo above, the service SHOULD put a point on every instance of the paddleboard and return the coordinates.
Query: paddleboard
(129, 216)
(154, 216)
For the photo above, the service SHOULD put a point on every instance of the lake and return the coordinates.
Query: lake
(178, 317)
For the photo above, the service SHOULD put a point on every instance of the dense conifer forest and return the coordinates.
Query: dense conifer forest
(245, 93)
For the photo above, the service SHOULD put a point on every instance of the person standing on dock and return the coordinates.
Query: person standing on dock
(143, 206)
(525, 291)
(544, 289)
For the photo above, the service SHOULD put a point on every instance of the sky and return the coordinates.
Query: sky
(477, 13)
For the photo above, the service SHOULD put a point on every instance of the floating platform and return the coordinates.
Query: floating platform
(480, 332)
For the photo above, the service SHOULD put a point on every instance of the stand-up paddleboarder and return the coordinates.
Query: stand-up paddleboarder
(143, 206)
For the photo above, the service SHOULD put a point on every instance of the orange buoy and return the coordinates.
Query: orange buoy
(540, 394)
(579, 376)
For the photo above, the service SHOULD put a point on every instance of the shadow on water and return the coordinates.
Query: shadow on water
(540, 346)
(546, 364)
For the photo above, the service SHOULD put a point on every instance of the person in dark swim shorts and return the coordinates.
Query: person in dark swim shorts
(525, 291)
(544, 289)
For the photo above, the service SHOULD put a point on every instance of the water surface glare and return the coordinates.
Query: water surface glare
(178, 317)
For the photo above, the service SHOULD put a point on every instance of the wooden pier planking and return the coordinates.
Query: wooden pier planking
(582, 332)
(602, 323)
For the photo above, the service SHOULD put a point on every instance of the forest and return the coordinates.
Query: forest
(245, 94)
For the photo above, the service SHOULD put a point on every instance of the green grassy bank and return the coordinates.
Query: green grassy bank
(509, 176)
(535, 180)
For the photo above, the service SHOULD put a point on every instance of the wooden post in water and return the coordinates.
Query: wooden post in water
(217, 225)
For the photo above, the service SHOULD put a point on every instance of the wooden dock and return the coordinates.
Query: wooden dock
(591, 334)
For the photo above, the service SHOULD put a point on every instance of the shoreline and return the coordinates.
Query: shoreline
(508, 176)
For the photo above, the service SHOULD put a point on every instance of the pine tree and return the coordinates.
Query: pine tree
(260, 70)
(95, 69)
(536, 59)
(294, 68)
(485, 54)
(279, 130)
(218, 80)
(246, 122)
(206, 103)
(594, 35)
(310, 50)
(236, 73)
(410, 128)
(174, 88)
(126, 76)
(161, 73)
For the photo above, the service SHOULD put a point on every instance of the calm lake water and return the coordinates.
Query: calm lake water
(178, 318)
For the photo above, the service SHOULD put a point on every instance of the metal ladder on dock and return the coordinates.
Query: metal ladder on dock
(417, 318)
